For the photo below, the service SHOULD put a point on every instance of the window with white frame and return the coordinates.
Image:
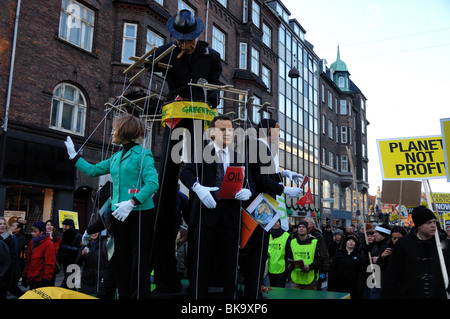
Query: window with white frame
(330, 129)
(337, 134)
(324, 125)
(344, 163)
(256, 116)
(343, 107)
(266, 76)
(255, 61)
(267, 35)
(331, 159)
(344, 135)
(223, 2)
(363, 126)
(68, 111)
(218, 42)
(256, 13)
(341, 82)
(330, 100)
(184, 6)
(219, 107)
(348, 199)
(242, 114)
(243, 55)
(336, 196)
(245, 11)
(76, 24)
(153, 40)
(326, 193)
(129, 42)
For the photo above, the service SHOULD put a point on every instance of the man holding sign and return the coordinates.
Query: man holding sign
(214, 223)
(414, 271)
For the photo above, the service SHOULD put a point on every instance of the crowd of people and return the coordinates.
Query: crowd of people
(35, 263)
(367, 261)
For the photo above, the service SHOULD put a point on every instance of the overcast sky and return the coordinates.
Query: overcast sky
(397, 53)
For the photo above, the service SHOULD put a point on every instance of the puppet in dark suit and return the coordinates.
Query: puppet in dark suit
(192, 61)
(264, 168)
(214, 223)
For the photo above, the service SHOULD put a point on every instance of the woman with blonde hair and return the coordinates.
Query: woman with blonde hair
(9, 279)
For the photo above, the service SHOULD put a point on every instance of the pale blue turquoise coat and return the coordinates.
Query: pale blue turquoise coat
(135, 171)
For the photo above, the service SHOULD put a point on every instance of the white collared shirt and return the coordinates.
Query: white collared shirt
(225, 161)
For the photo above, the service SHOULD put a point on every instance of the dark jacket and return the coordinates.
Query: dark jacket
(228, 210)
(94, 264)
(414, 266)
(203, 63)
(70, 244)
(346, 273)
(262, 169)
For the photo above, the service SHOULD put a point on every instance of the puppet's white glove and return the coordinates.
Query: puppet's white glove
(292, 191)
(86, 238)
(204, 194)
(70, 147)
(244, 194)
(123, 210)
(293, 176)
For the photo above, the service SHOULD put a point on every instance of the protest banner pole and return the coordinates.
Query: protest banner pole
(428, 193)
(355, 185)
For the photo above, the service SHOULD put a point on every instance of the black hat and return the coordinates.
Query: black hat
(304, 223)
(40, 226)
(350, 237)
(421, 214)
(184, 26)
(68, 222)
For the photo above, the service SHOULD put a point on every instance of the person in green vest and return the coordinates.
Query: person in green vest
(304, 259)
(279, 241)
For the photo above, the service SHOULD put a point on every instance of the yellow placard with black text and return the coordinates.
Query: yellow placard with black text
(445, 130)
(413, 158)
(63, 214)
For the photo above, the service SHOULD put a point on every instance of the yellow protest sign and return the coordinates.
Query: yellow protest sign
(63, 214)
(412, 158)
(54, 293)
(445, 129)
(441, 202)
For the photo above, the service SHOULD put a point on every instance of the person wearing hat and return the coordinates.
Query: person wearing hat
(40, 262)
(414, 270)
(71, 242)
(304, 259)
(381, 240)
(347, 269)
(192, 61)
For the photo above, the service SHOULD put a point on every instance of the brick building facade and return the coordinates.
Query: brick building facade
(69, 61)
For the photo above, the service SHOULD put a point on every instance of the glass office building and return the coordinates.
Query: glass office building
(298, 103)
